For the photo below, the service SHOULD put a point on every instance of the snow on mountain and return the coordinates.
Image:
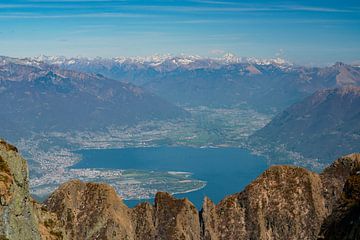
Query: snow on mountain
(162, 62)
(229, 58)
(270, 61)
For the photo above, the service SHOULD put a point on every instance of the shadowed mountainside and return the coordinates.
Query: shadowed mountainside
(266, 85)
(42, 98)
(324, 125)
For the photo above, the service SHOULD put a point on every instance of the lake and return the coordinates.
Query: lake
(226, 170)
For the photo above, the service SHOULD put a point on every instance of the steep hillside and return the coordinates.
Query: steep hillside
(285, 202)
(46, 98)
(323, 125)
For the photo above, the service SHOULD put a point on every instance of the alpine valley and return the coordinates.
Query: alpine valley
(54, 109)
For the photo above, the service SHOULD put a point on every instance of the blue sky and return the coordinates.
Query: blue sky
(305, 32)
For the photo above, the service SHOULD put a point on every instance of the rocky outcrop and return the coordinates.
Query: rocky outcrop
(143, 218)
(21, 218)
(335, 176)
(90, 211)
(344, 221)
(94, 211)
(175, 218)
(285, 202)
(49, 227)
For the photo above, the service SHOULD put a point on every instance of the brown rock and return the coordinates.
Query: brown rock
(283, 203)
(344, 221)
(91, 211)
(18, 220)
(335, 176)
(50, 228)
(144, 221)
(94, 211)
(175, 218)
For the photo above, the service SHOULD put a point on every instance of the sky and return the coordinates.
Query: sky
(316, 32)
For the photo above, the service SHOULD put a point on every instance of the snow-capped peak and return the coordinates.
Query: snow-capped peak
(161, 62)
(230, 58)
(265, 61)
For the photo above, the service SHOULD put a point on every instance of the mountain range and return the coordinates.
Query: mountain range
(317, 107)
(43, 97)
(268, 85)
(160, 63)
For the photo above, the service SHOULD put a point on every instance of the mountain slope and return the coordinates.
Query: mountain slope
(267, 85)
(323, 125)
(285, 202)
(264, 87)
(46, 98)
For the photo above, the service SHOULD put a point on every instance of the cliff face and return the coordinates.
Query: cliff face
(344, 221)
(21, 217)
(17, 217)
(94, 211)
(90, 211)
(335, 176)
(284, 202)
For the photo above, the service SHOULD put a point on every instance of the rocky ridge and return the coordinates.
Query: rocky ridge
(21, 217)
(344, 221)
(285, 202)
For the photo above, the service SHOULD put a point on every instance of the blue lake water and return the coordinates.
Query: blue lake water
(226, 170)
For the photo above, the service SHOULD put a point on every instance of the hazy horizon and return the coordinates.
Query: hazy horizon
(303, 32)
(214, 57)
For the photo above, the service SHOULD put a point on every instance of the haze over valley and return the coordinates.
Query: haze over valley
(54, 106)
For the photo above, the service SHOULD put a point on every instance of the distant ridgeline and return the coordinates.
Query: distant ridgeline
(264, 84)
(38, 97)
(58, 94)
(284, 202)
(268, 85)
